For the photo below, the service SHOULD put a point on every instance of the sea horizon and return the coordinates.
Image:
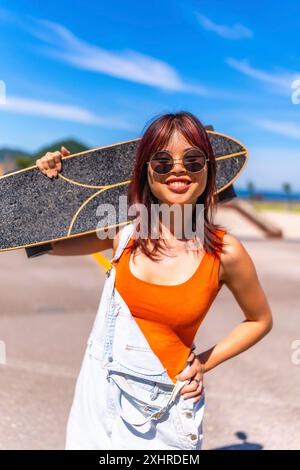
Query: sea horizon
(268, 194)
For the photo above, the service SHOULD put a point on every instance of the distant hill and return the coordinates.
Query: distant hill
(21, 159)
(10, 154)
(73, 145)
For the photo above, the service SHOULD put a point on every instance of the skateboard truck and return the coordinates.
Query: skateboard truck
(33, 251)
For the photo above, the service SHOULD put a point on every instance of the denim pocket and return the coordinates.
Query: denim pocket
(138, 400)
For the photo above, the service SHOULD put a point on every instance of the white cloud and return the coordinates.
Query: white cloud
(128, 64)
(61, 44)
(47, 109)
(2, 92)
(280, 82)
(237, 31)
(284, 128)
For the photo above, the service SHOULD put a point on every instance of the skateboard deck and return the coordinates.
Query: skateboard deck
(35, 209)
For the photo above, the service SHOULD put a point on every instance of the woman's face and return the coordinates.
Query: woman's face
(171, 193)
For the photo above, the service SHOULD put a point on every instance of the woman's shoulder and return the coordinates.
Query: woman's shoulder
(234, 256)
(230, 241)
(233, 247)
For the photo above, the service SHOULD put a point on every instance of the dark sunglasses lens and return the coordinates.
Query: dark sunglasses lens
(162, 163)
(194, 161)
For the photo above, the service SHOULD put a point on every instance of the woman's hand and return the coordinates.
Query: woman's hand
(195, 371)
(50, 164)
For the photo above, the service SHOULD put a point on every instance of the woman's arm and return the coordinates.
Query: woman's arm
(81, 245)
(239, 275)
(85, 244)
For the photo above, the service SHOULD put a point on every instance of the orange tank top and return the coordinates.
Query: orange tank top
(169, 316)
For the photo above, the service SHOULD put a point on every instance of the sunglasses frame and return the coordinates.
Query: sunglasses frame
(177, 160)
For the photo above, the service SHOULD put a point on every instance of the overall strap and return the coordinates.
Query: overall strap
(125, 235)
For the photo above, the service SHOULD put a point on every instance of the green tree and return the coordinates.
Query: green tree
(251, 189)
(23, 161)
(287, 188)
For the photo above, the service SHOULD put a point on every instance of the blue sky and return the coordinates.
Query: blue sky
(100, 71)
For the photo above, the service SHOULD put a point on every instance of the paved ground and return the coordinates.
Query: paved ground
(48, 305)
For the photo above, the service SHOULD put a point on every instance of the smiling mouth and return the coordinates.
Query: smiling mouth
(179, 187)
(178, 184)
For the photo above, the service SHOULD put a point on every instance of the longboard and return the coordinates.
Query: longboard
(35, 209)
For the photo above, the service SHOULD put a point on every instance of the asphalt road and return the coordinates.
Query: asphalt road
(48, 305)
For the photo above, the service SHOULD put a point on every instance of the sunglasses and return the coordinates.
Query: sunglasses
(193, 160)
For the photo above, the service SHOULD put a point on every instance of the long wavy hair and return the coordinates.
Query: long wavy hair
(156, 137)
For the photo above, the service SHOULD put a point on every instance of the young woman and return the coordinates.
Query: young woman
(141, 385)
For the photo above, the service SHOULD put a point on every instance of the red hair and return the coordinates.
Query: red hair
(156, 137)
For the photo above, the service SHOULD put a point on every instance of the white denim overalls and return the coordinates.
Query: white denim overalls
(124, 397)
